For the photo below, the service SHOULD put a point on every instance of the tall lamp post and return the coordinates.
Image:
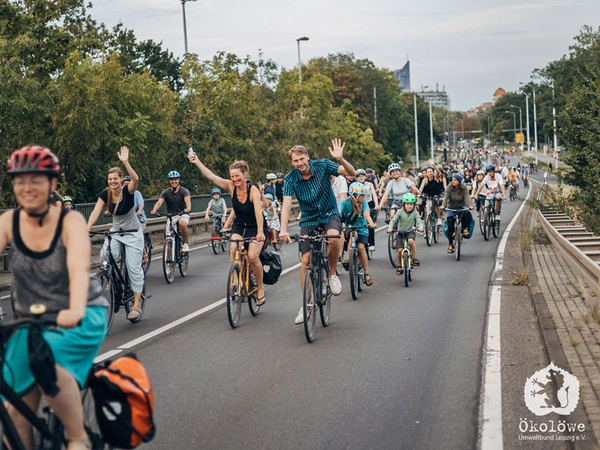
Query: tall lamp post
(416, 133)
(535, 135)
(514, 122)
(520, 119)
(184, 24)
(303, 38)
(488, 133)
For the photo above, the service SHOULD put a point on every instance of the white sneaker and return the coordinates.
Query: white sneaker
(335, 285)
(439, 222)
(300, 317)
(497, 218)
(371, 248)
(185, 248)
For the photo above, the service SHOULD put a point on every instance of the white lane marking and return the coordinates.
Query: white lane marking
(491, 430)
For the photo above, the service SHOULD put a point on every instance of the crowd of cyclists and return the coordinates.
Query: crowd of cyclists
(331, 195)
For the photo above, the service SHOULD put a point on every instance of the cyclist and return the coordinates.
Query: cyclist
(354, 211)
(279, 187)
(511, 178)
(119, 201)
(433, 184)
(247, 202)
(456, 196)
(67, 202)
(272, 216)
(494, 187)
(50, 256)
(310, 181)
(372, 201)
(398, 186)
(372, 177)
(479, 199)
(406, 219)
(138, 204)
(218, 206)
(269, 186)
(178, 200)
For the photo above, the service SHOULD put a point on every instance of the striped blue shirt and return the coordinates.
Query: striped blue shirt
(315, 195)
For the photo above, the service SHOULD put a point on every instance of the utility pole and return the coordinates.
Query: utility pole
(416, 132)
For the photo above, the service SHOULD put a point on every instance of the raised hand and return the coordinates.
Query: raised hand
(124, 154)
(337, 152)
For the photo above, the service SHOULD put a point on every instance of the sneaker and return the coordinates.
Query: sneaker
(477, 213)
(497, 217)
(371, 248)
(300, 317)
(185, 248)
(439, 222)
(335, 285)
(134, 313)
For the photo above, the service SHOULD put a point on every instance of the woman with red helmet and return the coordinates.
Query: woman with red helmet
(50, 255)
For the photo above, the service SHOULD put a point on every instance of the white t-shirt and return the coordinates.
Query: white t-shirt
(492, 186)
(340, 186)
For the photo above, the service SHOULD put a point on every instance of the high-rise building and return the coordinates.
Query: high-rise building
(403, 76)
(436, 98)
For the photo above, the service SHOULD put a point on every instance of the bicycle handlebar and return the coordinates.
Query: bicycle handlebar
(169, 215)
(318, 237)
(120, 232)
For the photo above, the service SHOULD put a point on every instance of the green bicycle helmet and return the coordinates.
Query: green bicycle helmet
(490, 168)
(409, 197)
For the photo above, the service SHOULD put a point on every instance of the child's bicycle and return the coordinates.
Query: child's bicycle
(48, 430)
(353, 264)
(405, 265)
(218, 242)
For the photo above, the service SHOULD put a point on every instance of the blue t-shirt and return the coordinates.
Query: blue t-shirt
(315, 195)
(137, 201)
(348, 216)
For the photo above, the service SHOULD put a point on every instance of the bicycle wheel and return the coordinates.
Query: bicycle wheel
(406, 267)
(234, 295)
(310, 304)
(353, 271)
(496, 228)
(512, 194)
(392, 247)
(168, 262)
(481, 218)
(410, 266)
(90, 422)
(254, 308)
(147, 253)
(109, 294)
(428, 230)
(184, 260)
(325, 306)
(457, 238)
(436, 229)
(486, 224)
(215, 241)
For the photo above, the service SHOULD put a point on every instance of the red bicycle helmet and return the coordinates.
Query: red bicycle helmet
(33, 159)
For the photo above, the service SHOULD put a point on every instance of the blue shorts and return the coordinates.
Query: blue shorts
(74, 349)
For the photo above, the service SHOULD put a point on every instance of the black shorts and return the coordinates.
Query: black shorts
(334, 224)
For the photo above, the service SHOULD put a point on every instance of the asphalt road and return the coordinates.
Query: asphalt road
(398, 368)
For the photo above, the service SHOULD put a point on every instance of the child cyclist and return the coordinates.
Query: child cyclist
(406, 218)
(218, 207)
(354, 211)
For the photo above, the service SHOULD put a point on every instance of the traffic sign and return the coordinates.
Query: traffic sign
(520, 138)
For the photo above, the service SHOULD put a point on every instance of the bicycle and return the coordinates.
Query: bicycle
(217, 242)
(432, 229)
(405, 264)
(392, 242)
(355, 267)
(49, 432)
(316, 293)
(116, 284)
(147, 258)
(241, 284)
(459, 238)
(172, 254)
(490, 224)
(512, 194)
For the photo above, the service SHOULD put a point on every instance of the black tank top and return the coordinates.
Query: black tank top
(434, 187)
(244, 212)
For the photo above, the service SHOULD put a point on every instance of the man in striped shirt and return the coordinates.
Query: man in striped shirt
(310, 182)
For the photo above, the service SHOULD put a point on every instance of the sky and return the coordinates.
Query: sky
(467, 47)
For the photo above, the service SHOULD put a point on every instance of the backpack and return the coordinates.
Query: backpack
(124, 402)
(272, 267)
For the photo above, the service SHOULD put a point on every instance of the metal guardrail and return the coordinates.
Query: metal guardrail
(579, 247)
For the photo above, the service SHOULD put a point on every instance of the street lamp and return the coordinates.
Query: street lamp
(514, 122)
(184, 24)
(416, 132)
(303, 38)
(520, 120)
(489, 135)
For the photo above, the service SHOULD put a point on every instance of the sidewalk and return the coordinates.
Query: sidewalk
(569, 321)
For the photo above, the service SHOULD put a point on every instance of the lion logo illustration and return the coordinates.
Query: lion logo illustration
(552, 389)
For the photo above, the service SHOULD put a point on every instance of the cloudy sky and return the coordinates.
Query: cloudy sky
(470, 47)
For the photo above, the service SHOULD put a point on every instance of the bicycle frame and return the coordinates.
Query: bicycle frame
(241, 256)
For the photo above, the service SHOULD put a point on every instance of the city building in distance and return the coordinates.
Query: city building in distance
(436, 98)
(403, 76)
